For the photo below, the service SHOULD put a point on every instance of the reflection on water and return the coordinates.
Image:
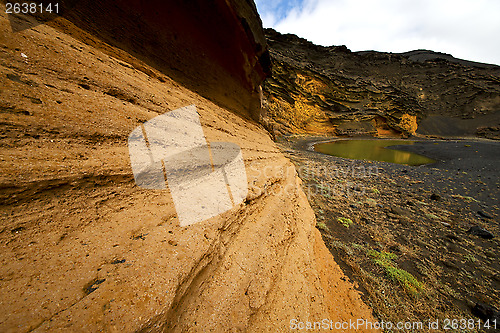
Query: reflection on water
(373, 150)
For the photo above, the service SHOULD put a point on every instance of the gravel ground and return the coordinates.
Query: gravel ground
(421, 242)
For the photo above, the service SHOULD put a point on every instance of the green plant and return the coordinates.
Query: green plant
(322, 226)
(448, 290)
(432, 216)
(404, 278)
(466, 198)
(357, 246)
(382, 255)
(470, 257)
(339, 245)
(374, 190)
(345, 221)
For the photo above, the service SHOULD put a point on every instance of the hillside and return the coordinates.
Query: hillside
(331, 90)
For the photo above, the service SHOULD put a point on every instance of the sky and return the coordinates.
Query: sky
(466, 29)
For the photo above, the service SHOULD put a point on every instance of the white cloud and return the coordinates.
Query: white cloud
(467, 29)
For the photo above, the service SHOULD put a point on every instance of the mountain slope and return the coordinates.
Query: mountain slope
(331, 90)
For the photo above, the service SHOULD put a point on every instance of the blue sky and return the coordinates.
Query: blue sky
(277, 10)
(467, 29)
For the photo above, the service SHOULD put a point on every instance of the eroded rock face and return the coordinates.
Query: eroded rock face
(331, 90)
(215, 48)
(83, 248)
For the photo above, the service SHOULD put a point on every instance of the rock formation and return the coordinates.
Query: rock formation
(331, 90)
(82, 247)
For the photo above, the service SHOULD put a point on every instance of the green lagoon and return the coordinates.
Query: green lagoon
(375, 150)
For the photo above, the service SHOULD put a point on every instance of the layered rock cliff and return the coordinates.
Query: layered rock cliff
(331, 90)
(85, 249)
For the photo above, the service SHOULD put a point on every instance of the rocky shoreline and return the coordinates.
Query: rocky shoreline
(421, 242)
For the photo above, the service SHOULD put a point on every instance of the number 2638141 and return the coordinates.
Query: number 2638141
(31, 8)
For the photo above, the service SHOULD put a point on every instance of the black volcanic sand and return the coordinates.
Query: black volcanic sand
(474, 165)
(409, 246)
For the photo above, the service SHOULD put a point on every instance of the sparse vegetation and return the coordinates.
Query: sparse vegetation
(339, 245)
(470, 257)
(405, 279)
(322, 226)
(408, 263)
(345, 221)
(431, 216)
(464, 197)
(357, 246)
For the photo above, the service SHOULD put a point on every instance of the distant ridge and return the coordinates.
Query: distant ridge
(428, 55)
(332, 90)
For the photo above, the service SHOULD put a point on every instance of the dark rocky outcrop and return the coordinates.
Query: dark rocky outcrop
(332, 90)
(487, 313)
(480, 232)
(217, 49)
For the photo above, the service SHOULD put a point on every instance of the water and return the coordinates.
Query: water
(374, 150)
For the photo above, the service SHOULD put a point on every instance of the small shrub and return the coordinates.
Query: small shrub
(357, 246)
(470, 257)
(407, 280)
(432, 216)
(322, 226)
(345, 221)
(339, 245)
(404, 278)
(466, 198)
